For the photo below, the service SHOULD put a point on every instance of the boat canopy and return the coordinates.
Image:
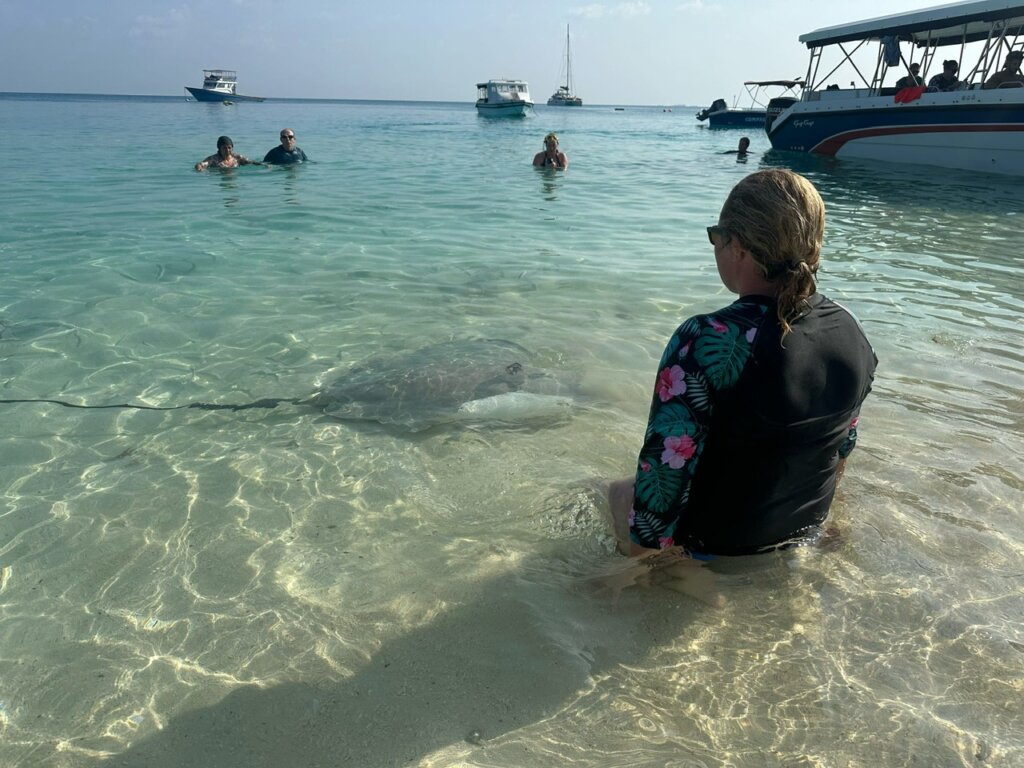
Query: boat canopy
(949, 24)
(782, 83)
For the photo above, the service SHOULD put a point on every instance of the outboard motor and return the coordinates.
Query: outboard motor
(716, 106)
(776, 107)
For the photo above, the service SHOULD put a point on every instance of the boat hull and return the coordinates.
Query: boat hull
(202, 94)
(737, 118)
(968, 130)
(571, 102)
(505, 109)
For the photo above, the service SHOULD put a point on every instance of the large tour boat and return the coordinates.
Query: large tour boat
(503, 98)
(219, 85)
(971, 127)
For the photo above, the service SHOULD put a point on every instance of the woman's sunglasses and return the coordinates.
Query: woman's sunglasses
(716, 231)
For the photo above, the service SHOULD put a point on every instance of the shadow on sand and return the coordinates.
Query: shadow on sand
(521, 650)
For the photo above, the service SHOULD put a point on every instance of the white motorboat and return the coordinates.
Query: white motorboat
(219, 85)
(503, 98)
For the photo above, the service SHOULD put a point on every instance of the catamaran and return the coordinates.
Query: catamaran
(972, 127)
(564, 97)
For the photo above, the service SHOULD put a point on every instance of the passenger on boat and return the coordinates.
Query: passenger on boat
(756, 404)
(286, 152)
(1010, 74)
(947, 79)
(551, 157)
(226, 157)
(911, 80)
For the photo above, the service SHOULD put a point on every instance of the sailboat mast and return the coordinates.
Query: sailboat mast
(568, 62)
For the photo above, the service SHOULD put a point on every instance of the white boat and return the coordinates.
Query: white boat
(721, 115)
(503, 98)
(971, 128)
(564, 97)
(219, 85)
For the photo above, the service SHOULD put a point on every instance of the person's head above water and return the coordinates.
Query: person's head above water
(225, 145)
(288, 138)
(744, 144)
(778, 217)
(551, 140)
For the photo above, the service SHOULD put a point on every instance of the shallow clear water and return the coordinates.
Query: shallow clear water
(278, 587)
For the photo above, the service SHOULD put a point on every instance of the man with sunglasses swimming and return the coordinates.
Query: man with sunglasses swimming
(287, 152)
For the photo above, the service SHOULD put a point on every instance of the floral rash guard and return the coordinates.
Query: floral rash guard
(745, 430)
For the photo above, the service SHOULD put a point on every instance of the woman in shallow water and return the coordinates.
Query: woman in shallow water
(226, 156)
(755, 405)
(552, 156)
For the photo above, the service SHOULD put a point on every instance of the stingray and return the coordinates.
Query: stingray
(469, 380)
(474, 380)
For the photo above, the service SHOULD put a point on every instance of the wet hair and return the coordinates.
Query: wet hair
(225, 141)
(779, 217)
(551, 135)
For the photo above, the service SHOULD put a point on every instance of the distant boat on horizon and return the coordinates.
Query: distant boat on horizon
(219, 85)
(564, 97)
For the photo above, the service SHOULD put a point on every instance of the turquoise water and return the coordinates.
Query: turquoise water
(281, 588)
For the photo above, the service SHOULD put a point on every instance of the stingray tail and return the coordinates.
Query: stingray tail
(267, 402)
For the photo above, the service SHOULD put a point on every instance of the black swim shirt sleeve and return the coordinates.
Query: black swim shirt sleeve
(704, 357)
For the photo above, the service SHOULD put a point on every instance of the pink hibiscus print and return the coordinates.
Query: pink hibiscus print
(685, 350)
(670, 383)
(645, 466)
(718, 325)
(665, 542)
(678, 450)
(751, 334)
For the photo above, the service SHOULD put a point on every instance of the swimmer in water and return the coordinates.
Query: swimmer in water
(551, 157)
(287, 152)
(741, 150)
(226, 157)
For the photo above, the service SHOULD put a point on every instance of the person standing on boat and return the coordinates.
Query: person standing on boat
(226, 157)
(286, 152)
(755, 405)
(947, 79)
(912, 80)
(551, 157)
(1010, 73)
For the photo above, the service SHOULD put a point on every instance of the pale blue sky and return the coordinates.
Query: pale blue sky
(639, 52)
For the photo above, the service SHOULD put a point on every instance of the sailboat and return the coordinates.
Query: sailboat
(564, 96)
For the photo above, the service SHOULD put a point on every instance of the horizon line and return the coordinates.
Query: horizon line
(306, 98)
